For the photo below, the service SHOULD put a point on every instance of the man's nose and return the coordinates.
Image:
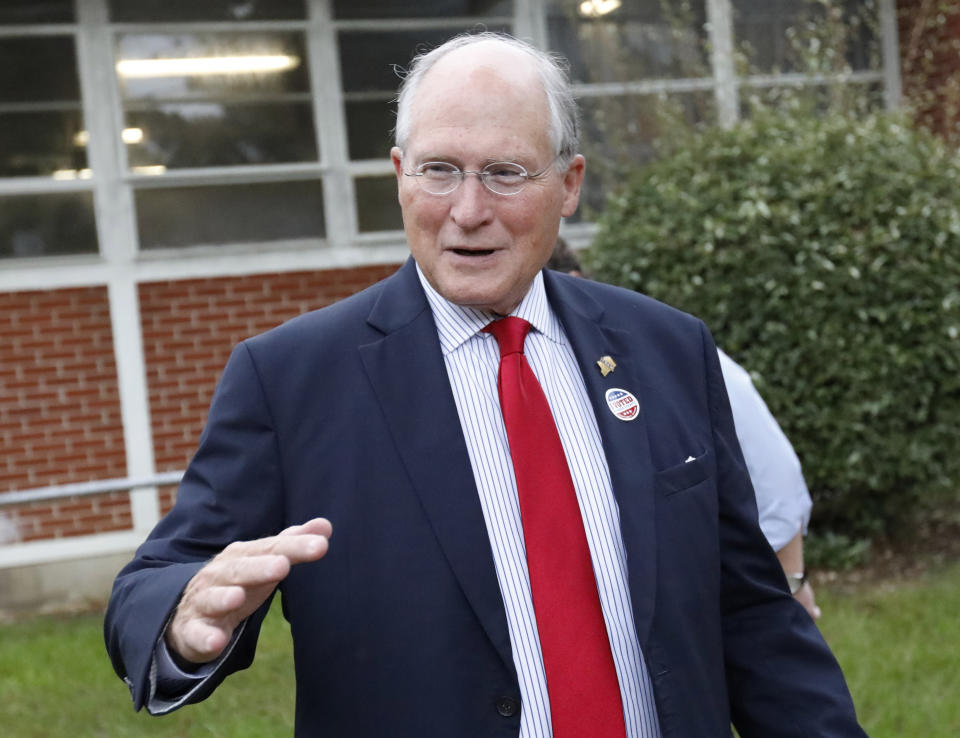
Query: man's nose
(472, 202)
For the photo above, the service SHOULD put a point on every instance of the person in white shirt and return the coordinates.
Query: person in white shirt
(783, 500)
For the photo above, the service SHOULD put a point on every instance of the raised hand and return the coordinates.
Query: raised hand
(235, 583)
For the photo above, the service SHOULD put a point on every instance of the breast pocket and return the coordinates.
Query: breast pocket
(685, 475)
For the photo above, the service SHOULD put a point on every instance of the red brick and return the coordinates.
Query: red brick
(17, 331)
(29, 318)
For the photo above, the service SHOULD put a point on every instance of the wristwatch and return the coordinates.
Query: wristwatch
(796, 581)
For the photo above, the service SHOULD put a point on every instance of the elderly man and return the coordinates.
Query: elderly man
(544, 523)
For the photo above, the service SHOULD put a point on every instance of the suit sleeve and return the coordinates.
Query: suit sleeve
(782, 678)
(231, 491)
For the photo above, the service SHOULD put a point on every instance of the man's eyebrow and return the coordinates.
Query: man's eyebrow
(458, 161)
(437, 157)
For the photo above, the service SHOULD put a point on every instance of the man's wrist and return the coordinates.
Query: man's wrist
(185, 665)
(796, 581)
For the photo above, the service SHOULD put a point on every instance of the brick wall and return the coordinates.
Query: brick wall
(60, 416)
(190, 327)
(60, 419)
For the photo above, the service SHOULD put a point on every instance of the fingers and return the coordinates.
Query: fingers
(294, 548)
(196, 640)
(235, 583)
(297, 548)
(217, 602)
(298, 543)
(218, 598)
(806, 598)
(246, 570)
(316, 526)
(199, 641)
(265, 561)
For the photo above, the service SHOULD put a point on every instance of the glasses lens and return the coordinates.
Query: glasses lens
(504, 177)
(438, 177)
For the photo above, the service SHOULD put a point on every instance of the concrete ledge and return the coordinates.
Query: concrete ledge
(15, 555)
(60, 586)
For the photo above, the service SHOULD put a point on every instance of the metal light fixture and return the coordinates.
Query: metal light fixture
(205, 65)
(598, 8)
(129, 136)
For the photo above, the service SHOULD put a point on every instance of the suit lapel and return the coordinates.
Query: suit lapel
(625, 443)
(410, 380)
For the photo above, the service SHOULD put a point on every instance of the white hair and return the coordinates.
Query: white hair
(552, 69)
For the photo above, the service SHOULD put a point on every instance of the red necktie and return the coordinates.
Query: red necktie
(581, 678)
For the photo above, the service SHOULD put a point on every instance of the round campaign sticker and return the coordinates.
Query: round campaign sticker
(622, 404)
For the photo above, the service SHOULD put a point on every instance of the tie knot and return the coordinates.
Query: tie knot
(510, 334)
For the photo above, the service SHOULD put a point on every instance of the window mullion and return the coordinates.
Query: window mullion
(892, 84)
(113, 199)
(330, 123)
(530, 21)
(720, 22)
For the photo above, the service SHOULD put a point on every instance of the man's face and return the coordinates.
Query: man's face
(477, 248)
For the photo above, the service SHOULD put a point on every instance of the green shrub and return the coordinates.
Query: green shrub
(824, 254)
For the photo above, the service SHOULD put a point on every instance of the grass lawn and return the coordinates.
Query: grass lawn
(899, 644)
(56, 681)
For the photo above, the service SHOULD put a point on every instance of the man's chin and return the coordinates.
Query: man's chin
(476, 297)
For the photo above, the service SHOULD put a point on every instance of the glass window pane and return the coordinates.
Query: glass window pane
(619, 134)
(36, 11)
(213, 134)
(350, 9)
(46, 225)
(136, 11)
(369, 128)
(229, 214)
(787, 36)
(38, 69)
(37, 144)
(211, 65)
(377, 206)
(216, 99)
(641, 39)
(367, 59)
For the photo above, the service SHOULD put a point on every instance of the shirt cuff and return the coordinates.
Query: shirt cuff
(170, 686)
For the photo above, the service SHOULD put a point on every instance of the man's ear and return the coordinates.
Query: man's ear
(572, 180)
(396, 156)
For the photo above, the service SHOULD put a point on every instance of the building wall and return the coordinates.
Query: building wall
(60, 416)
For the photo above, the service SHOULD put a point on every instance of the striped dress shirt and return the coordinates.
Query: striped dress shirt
(472, 361)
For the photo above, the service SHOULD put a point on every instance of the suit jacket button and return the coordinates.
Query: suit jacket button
(508, 706)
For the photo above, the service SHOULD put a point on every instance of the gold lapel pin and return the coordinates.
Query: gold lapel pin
(606, 364)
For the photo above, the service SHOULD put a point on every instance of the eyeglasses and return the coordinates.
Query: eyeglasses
(500, 177)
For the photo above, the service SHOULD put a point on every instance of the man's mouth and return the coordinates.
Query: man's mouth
(473, 252)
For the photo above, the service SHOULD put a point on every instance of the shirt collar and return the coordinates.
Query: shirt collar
(457, 324)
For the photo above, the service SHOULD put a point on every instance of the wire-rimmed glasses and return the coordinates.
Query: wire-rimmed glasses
(500, 177)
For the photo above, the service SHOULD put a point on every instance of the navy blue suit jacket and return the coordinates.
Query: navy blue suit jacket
(400, 630)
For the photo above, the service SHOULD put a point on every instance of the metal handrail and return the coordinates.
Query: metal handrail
(80, 489)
